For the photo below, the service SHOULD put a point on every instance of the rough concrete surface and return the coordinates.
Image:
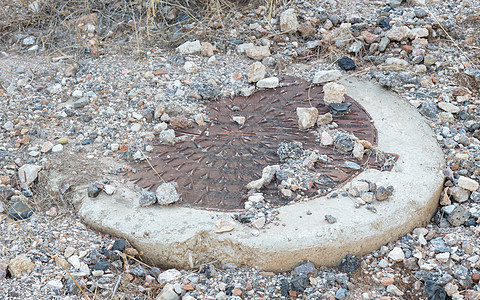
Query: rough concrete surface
(172, 236)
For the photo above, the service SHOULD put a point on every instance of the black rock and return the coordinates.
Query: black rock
(434, 291)
(300, 283)
(20, 211)
(339, 109)
(119, 245)
(350, 264)
(346, 63)
(101, 265)
(93, 190)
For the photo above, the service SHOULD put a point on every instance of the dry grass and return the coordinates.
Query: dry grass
(85, 27)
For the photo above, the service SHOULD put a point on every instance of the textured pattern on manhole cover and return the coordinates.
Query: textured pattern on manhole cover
(213, 164)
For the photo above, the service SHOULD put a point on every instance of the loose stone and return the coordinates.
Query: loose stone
(468, 183)
(19, 265)
(324, 119)
(346, 63)
(256, 72)
(258, 52)
(334, 93)
(167, 193)
(224, 225)
(288, 21)
(325, 76)
(268, 83)
(307, 117)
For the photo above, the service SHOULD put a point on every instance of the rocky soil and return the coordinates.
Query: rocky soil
(64, 118)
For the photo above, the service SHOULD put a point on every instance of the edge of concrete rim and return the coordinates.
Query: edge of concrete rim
(184, 237)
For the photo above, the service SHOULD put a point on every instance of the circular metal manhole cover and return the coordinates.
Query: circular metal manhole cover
(213, 163)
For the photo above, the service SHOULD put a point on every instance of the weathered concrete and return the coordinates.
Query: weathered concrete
(180, 237)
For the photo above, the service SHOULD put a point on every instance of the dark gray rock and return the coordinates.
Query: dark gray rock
(458, 216)
(350, 264)
(307, 268)
(429, 109)
(119, 245)
(346, 63)
(20, 211)
(147, 199)
(434, 291)
(299, 283)
(343, 142)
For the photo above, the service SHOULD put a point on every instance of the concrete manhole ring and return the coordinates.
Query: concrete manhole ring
(180, 236)
(213, 163)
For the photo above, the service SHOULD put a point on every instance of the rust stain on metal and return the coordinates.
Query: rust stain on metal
(213, 164)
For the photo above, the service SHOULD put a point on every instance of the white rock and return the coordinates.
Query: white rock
(392, 289)
(325, 76)
(69, 251)
(396, 62)
(169, 275)
(97, 273)
(398, 33)
(109, 189)
(268, 173)
(268, 83)
(358, 151)
(160, 127)
(357, 188)
(256, 184)
(334, 93)
(57, 148)
(166, 193)
(77, 94)
(307, 117)
(136, 127)
(288, 21)
(326, 139)
(224, 225)
(55, 284)
(443, 257)
(256, 198)
(28, 173)
(190, 67)
(243, 47)
(190, 47)
(428, 267)
(259, 223)
(47, 146)
(396, 254)
(74, 260)
(418, 32)
(167, 136)
(449, 107)
(468, 183)
(239, 119)
(256, 72)
(258, 52)
(168, 293)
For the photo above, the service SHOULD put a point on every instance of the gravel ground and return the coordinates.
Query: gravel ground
(110, 106)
